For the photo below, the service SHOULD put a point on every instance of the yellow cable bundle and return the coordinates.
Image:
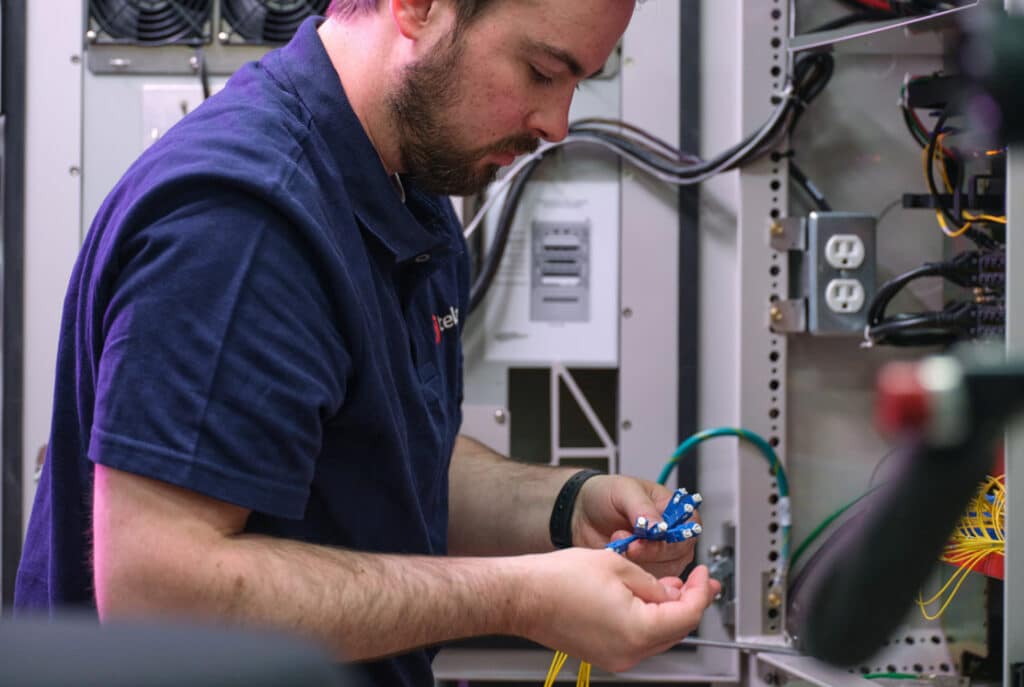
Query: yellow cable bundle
(981, 533)
(582, 678)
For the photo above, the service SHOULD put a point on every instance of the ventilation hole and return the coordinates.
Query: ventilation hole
(773, 527)
(944, 667)
(773, 499)
(891, 668)
(775, 185)
(909, 640)
(775, 171)
(918, 668)
(775, 157)
(776, 13)
(775, 211)
(773, 613)
(773, 385)
(936, 639)
(775, 399)
(775, 370)
(864, 670)
(774, 441)
(776, 42)
(773, 413)
(774, 271)
(772, 542)
(773, 556)
(775, 200)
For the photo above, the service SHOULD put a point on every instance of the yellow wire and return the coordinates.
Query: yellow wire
(985, 218)
(556, 667)
(952, 233)
(979, 534)
(557, 661)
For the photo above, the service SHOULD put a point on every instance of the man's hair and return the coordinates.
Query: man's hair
(466, 10)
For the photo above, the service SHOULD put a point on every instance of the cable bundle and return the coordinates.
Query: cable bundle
(986, 316)
(981, 533)
(651, 155)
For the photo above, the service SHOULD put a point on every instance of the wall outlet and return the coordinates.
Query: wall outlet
(839, 272)
(844, 251)
(844, 296)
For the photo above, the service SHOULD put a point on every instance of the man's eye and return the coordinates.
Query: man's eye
(540, 77)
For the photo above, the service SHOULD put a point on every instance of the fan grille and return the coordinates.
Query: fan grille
(151, 22)
(268, 21)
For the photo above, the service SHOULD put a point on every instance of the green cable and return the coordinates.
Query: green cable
(891, 676)
(766, 450)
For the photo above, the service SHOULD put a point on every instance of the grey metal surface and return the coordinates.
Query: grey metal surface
(939, 19)
(1014, 563)
(53, 168)
(674, 667)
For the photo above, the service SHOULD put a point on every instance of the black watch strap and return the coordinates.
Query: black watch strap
(561, 514)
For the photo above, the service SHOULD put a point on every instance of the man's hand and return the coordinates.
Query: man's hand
(607, 507)
(601, 608)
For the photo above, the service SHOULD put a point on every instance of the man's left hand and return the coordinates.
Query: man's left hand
(606, 509)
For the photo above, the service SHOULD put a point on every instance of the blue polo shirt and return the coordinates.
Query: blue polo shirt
(256, 315)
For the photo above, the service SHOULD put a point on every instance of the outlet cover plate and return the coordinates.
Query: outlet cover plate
(822, 226)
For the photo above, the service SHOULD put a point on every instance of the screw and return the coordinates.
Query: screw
(223, 37)
(90, 35)
(627, 312)
(75, 59)
(774, 598)
(776, 229)
(500, 416)
(775, 313)
(626, 424)
(74, 170)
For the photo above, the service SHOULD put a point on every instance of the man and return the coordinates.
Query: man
(256, 412)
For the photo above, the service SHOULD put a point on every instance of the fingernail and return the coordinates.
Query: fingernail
(672, 593)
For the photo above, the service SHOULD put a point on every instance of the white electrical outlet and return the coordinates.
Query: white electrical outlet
(844, 296)
(844, 251)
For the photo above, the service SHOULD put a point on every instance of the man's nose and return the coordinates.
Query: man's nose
(551, 123)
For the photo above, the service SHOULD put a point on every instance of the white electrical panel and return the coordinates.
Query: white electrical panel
(556, 294)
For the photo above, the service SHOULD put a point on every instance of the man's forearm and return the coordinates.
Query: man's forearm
(500, 506)
(360, 606)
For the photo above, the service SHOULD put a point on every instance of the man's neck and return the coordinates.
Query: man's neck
(355, 49)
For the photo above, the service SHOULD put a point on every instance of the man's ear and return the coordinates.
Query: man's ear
(412, 16)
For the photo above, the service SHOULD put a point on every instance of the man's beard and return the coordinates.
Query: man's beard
(431, 155)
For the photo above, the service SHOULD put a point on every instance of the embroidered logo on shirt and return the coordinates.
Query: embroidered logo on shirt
(444, 322)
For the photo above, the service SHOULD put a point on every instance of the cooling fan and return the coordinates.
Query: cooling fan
(149, 22)
(265, 21)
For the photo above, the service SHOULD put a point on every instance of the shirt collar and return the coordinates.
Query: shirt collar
(386, 211)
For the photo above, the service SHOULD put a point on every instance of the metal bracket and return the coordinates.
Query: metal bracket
(788, 316)
(722, 567)
(788, 233)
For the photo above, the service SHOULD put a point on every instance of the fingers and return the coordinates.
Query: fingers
(661, 558)
(647, 587)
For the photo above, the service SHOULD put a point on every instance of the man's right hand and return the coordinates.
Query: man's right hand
(601, 608)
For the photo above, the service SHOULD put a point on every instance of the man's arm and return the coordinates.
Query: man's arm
(160, 550)
(499, 506)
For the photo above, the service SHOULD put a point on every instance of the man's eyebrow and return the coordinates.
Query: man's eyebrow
(562, 56)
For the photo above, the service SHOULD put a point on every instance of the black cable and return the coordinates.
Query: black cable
(978, 237)
(811, 74)
(809, 187)
(204, 73)
(482, 282)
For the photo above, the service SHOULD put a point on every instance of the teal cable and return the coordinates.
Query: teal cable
(773, 462)
(813, 536)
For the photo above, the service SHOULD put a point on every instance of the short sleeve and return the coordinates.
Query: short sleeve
(221, 361)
